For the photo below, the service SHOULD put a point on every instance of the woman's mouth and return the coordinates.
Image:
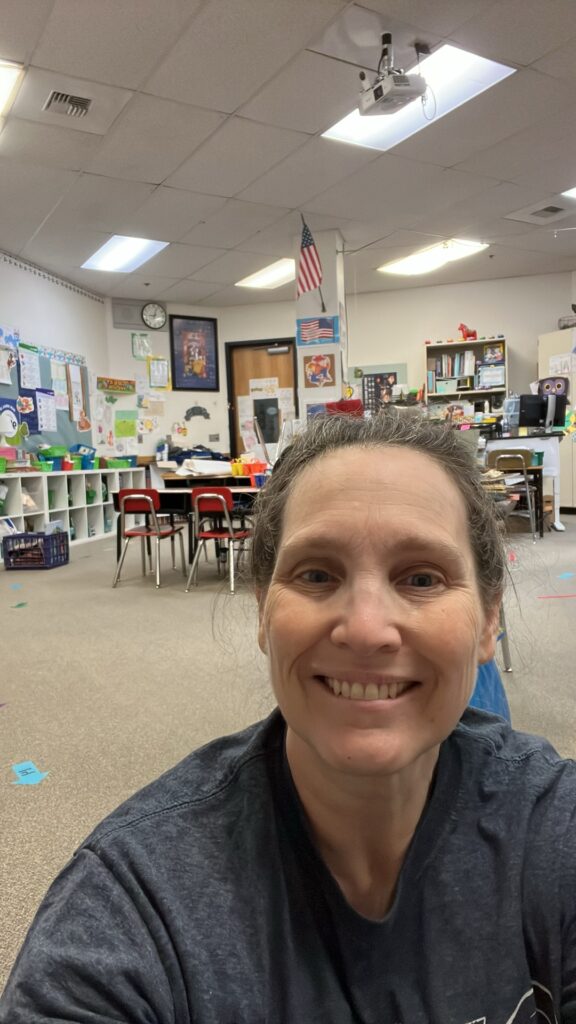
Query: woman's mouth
(370, 691)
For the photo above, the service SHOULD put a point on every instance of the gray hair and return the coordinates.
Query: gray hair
(390, 428)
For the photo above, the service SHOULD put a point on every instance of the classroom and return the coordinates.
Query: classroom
(217, 130)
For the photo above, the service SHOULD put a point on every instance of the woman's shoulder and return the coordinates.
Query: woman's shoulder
(494, 750)
(219, 772)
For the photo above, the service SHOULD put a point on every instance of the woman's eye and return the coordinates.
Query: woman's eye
(316, 576)
(422, 580)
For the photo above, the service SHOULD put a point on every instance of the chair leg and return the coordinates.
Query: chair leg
(194, 567)
(231, 564)
(157, 563)
(182, 556)
(530, 503)
(173, 547)
(504, 638)
(121, 561)
(143, 554)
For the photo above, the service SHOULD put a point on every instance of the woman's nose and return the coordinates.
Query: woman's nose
(368, 619)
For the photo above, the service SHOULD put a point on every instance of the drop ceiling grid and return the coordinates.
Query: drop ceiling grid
(233, 223)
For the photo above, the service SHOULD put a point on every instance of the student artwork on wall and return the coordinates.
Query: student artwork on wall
(158, 372)
(194, 353)
(319, 370)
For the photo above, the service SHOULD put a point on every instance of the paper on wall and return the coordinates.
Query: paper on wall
(261, 386)
(76, 396)
(7, 361)
(59, 384)
(29, 367)
(46, 406)
(560, 364)
(244, 407)
(286, 403)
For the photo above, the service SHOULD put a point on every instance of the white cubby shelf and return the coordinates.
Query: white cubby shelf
(80, 499)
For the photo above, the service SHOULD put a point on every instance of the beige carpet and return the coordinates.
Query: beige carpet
(105, 689)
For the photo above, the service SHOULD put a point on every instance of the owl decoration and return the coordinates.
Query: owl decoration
(554, 386)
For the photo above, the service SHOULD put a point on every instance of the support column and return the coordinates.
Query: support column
(321, 357)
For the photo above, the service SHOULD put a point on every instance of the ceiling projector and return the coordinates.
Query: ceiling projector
(392, 88)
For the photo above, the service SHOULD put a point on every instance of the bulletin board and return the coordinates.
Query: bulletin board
(68, 431)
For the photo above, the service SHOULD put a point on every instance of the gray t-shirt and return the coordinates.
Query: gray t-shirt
(202, 900)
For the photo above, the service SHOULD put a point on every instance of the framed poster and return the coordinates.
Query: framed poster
(194, 353)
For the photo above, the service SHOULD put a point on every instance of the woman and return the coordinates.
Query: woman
(373, 852)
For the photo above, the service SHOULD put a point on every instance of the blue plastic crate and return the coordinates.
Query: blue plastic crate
(35, 550)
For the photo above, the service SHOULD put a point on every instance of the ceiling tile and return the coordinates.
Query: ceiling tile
(231, 267)
(312, 169)
(232, 49)
(545, 139)
(94, 280)
(472, 217)
(21, 28)
(234, 156)
(151, 138)
(169, 213)
(559, 63)
(46, 144)
(100, 203)
(518, 31)
(397, 193)
(187, 291)
(29, 192)
(253, 297)
(106, 102)
(355, 37)
(557, 243)
(440, 17)
(233, 223)
(107, 41)
(182, 260)
(310, 95)
(519, 101)
(282, 238)
(142, 286)
(60, 249)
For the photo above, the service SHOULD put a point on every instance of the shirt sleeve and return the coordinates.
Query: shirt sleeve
(89, 957)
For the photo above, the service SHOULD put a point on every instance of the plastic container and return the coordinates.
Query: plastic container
(46, 466)
(90, 495)
(35, 550)
(76, 461)
(3, 464)
(67, 464)
(87, 461)
(118, 464)
(537, 458)
(82, 449)
(55, 451)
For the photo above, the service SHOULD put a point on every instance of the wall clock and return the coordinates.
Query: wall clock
(154, 315)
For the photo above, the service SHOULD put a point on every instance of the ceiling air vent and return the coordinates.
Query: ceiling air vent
(537, 213)
(67, 105)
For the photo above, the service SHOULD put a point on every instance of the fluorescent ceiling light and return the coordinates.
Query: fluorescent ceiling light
(273, 276)
(123, 254)
(571, 193)
(453, 77)
(435, 256)
(10, 77)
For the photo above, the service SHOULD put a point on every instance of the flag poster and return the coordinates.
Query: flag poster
(311, 330)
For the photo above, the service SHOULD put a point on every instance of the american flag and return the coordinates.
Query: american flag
(313, 330)
(309, 266)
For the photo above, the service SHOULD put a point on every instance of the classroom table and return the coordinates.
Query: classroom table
(178, 501)
(535, 474)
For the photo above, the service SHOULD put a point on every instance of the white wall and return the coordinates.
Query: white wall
(49, 313)
(392, 326)
(383, 327)
(238, 323)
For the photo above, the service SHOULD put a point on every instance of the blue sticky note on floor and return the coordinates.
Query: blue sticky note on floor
(27, 774)
(566, 575)
(15, 586)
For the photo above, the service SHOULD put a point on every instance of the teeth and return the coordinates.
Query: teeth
(356, 691)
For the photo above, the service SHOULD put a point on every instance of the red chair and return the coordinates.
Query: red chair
(213, 510)
(145, 501)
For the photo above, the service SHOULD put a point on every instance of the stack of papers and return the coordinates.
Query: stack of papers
(204, 467)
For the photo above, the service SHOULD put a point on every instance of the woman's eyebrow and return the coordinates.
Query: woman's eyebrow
(327, 544)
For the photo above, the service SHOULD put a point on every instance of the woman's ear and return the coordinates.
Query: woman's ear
(489, 635)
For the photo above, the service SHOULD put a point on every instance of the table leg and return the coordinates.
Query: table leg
(556, 524)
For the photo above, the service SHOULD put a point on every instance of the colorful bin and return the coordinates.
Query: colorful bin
(35, 550)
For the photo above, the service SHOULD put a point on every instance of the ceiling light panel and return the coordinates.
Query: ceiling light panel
(272, 276)
(453, 77)
(433, 257)
(10, 77)
(122, 254)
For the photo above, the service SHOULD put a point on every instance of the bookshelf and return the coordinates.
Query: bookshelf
(80, 499)
(467, 371)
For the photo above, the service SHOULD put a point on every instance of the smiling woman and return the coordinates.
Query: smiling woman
(375, 850)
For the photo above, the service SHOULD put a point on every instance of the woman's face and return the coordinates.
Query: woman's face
(373, 623)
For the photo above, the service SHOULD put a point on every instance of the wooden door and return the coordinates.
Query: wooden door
(248, 361)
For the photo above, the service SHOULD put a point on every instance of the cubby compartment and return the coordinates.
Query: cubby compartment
(95, 521)
(77, 490)
(78, 524)
(10, 496)
(93, 489)
(60, 516)
(34, 496)
(57, 491)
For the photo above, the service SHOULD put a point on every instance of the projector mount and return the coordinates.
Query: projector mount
(392, 88)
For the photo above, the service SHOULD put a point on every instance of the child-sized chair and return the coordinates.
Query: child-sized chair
(145, 501)
(213, 508)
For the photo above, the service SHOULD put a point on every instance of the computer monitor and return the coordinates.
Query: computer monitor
(542, 411)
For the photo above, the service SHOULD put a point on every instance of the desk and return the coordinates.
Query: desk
(550, 445)
(534, 474)
(178, 501)
(174, 480)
